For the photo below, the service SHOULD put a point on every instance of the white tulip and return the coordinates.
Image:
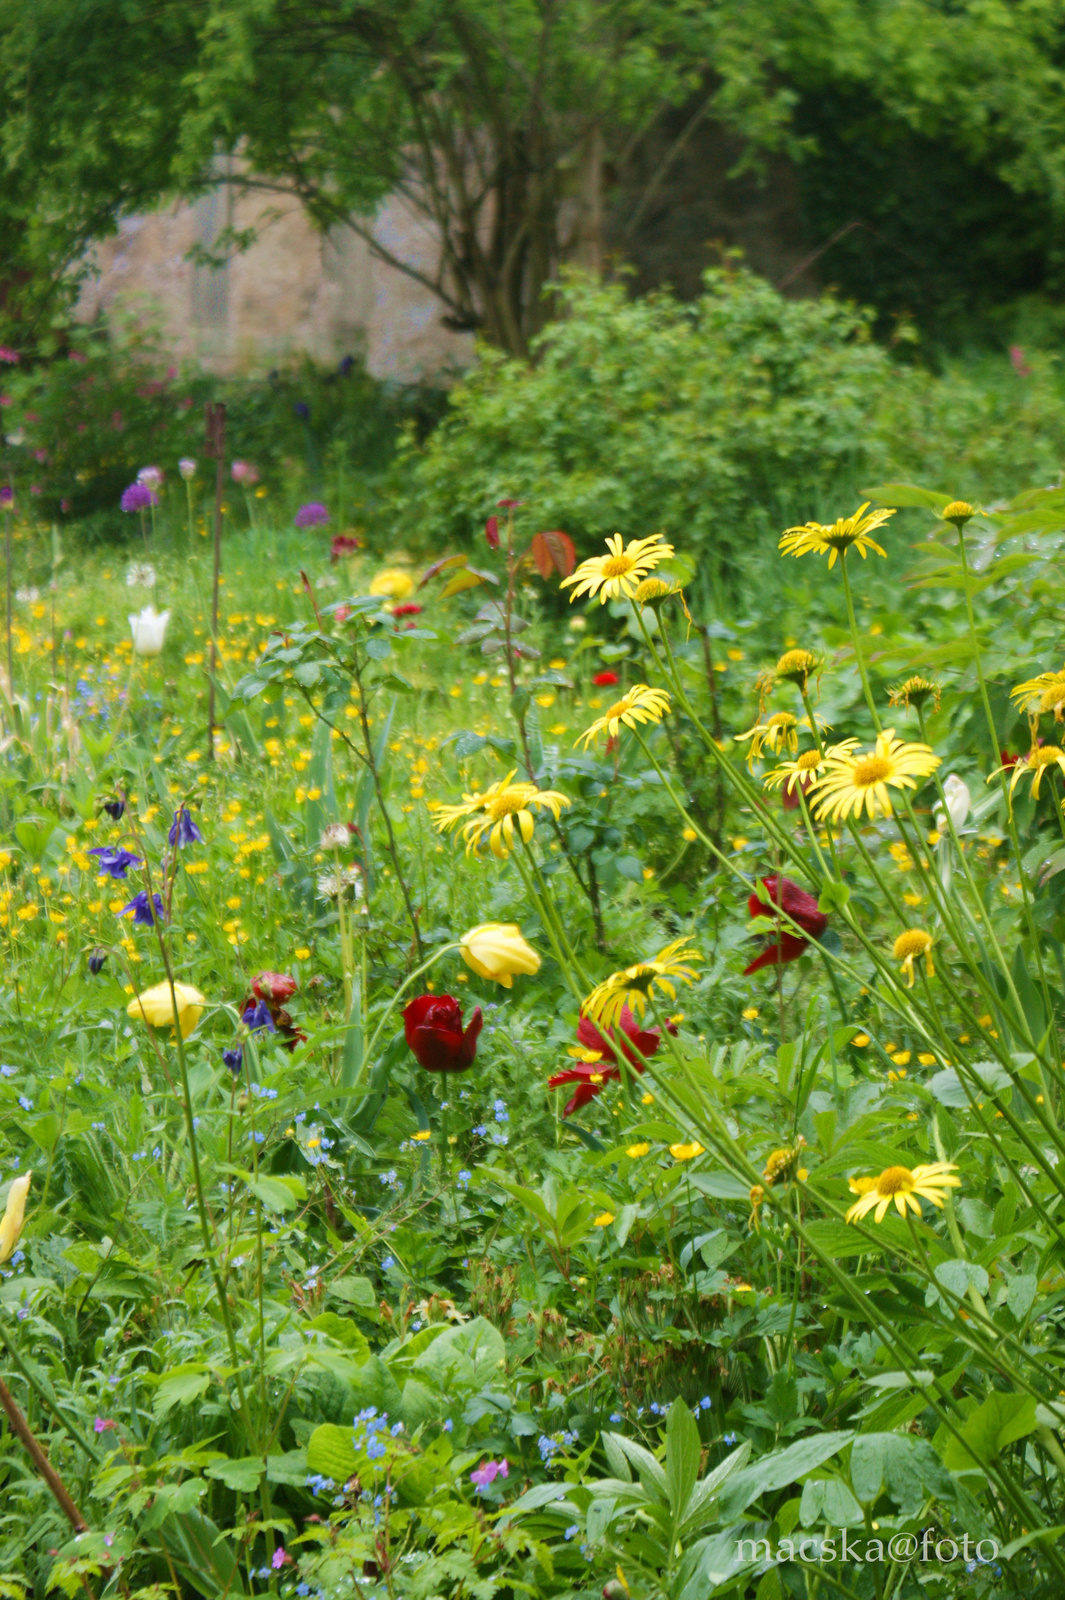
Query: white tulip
(148, 628)
(958, 801)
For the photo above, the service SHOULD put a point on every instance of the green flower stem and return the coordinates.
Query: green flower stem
(856, 641)
(46, 1400)
(445, 949)
(549, 928)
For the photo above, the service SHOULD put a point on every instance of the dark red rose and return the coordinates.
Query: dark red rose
(605, 680)
(797, 905)
(433, 1026)
(407, 610)
(344, 544)
(491, 533)
(275, 986)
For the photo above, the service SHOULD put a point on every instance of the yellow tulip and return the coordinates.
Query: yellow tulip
(497, 950)
(14, 1214)
(393, 584)
(156, 1006)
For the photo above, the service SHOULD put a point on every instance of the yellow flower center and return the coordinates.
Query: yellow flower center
(914, 942)
(782, 719)
(808, 761)
(617, 566)
(894, 1180)
(1044, 755)
(505, 804)
(871, 770)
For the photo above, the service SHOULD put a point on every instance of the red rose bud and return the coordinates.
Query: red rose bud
(407, 610)
(275, 986)
(433, 1027)
(605, 680)
(491, 532)
(797, 905)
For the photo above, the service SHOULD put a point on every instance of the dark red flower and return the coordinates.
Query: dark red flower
(344, 544)
(275, 986)
(491, 532)
(1007, 760)
(407, 610)
(509, 505)
(590, 1076)
(433, 1026)
(796, 904)
(605, 680)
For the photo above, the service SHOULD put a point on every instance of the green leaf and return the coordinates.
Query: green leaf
(1001, 1419)
(463, 1358)
(906, 494)
(778, 1469)
(683, 1454)
(180, 1388)
(243, 1474)
(905, 1466)
(331, 1452)
(356, 1291)
(343, 1330)
(202, 1555)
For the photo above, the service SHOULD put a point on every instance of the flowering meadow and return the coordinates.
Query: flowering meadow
(557, 1089)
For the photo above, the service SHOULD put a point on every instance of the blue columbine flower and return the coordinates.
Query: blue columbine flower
(183, 830)
(258, 1016)
(114, 809)
(234, 1059)
(96, 960)
(113, 860)
(141, 907)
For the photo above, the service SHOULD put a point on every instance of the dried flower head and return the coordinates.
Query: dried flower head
(916, 691)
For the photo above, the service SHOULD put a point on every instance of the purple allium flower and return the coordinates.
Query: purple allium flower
(312, 515)
(138, 497)
(114, 860)
(150, 477)
(7, 497)
(114, 808)
(233, 1059)
(96, 960)
(183, 830)
(141, 907)
(258, 1016)
(244, 473)
(187, 467)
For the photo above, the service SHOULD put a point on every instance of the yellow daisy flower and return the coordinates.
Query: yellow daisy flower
(797, 667)
(914, 692)
(909, 947)
(641, 703)
(502, 808)
(616, 576)
(835, 539)
(854, 780)
(1044, 693)
(1033, 766)
(794, 774)
(633, 986)
(902, 1186)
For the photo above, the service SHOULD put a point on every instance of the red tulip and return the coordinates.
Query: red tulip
(275, 986)
(433, 1026)
(605, 680)
(796, 904)
(589, 1076)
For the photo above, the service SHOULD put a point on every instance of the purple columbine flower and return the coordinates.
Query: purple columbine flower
(183, 830)
(233, 1059)
(138, 497)
(114, 808)
(258, 1016)
(312, 515)
(96, 960)
(141, 907)
(114, 860)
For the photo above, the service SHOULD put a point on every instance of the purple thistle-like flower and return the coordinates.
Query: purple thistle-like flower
(183, 830)
(141, 907)
(114, 808)
(138, 497)
(150, 477)
(258, 1016)
(114, 860)
(233, 1059)
(312, 515)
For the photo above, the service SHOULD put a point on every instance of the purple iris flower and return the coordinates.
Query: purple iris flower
(258, 1016)
(96, 960)
(312, 515)
(138, 497)
(114, 860)
(114, 808)
(233, 1059)
(183, 830)
(141, 907)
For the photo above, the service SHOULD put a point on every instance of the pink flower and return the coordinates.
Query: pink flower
(279, 1557)
(103, 1425)
(487, 1473)
(7, 354)
(1020, 366)
(6, 400)
(244, 473)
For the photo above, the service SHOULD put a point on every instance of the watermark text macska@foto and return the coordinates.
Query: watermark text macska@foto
(862, 1549)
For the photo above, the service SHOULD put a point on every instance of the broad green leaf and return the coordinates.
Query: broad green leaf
(778, 1469)
(243, 1474)
(683, 1454)
(180, 1388)
(331, 1452)
(997, 1422)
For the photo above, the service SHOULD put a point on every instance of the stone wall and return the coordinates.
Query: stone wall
(292, 293)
